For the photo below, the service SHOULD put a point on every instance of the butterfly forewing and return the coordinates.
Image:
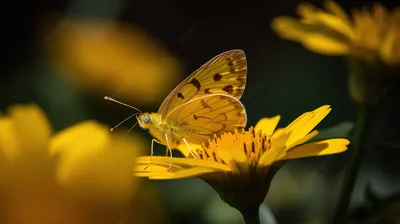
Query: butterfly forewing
(224, 74)
(201, 118)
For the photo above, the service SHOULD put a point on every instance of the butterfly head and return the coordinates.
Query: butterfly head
(145, 120)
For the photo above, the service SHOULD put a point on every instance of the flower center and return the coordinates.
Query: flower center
(252, 144)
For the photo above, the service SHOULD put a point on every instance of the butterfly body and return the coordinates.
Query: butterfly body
(158, 129)
(203, 105)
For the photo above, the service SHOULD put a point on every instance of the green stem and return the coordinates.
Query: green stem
(251, 216)
(365, 119)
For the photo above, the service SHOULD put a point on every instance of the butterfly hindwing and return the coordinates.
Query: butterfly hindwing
(223, 74)
(201, 118)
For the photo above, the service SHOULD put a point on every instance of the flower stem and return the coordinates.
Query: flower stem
(365, 118)
(251, 216)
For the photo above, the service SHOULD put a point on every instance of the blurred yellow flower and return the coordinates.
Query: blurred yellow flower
(114, 59)
(370, 36)
(240, 165)
(81, 175)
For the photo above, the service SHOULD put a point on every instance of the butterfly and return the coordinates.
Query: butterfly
(203, 105)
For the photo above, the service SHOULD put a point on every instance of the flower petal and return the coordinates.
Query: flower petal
(238, 158)
(152, 168)
(307, 10)
(276, 151)
(267, 125)
(96, 163)
(186, 173)
(336, 24)
(312, 36)
(183, 162)
(325, 20)
(325, 44)
(336, 9)
(271, 156)
(278, 132)
(319, 148)
(290, 28)
(302, 140)
(25, 133)
(78, 135)
(305, 116)
(390, 47)
(9, 144)
(308, 122)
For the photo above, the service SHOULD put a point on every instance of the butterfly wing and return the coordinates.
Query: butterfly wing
(201, 118)
(224, 74)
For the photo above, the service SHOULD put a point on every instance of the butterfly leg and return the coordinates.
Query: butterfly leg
(170, 152)
(190, 151)
(166, 152)
(152, 151)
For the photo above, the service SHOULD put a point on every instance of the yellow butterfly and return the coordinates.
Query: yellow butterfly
(203, 105)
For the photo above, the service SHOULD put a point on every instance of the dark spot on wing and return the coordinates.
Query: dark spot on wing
(195, 117)
(232, 70)
(180, 96)
(203, 103)
(228, 89)
(230, 63)
(195, 83)
(217, 77)
(207, 90)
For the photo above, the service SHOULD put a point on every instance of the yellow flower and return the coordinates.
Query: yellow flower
(82, 174)
(116, 59)
(370, 36)
(240, 165)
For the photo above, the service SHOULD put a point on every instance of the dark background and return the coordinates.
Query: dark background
(283, 78)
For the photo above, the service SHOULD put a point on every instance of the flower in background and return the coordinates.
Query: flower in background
(241, 165)
(114, 59)
(79, 175)
(370, 38)
(367, 35)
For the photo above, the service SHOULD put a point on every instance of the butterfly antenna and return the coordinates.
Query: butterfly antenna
(116, 101)
(116, 126)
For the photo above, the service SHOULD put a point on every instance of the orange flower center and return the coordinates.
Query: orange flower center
(252, 144)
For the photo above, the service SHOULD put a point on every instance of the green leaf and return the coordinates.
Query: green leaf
(340, 130)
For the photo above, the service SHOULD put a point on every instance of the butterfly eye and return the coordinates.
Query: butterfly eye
(146, 119)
